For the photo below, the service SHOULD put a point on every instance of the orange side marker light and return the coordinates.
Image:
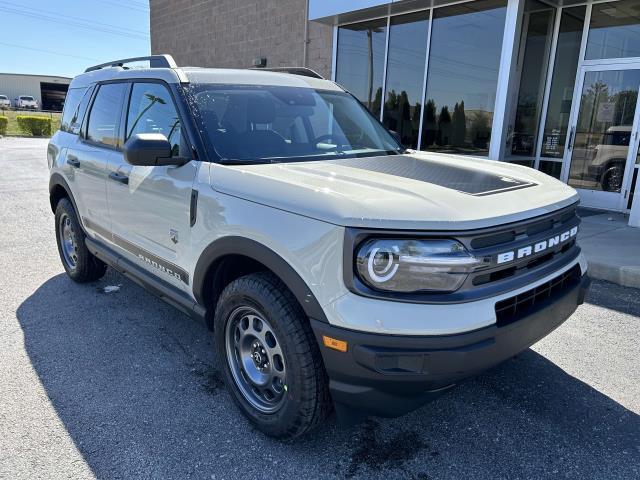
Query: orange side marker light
(335, 344)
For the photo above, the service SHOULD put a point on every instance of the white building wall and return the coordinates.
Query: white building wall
(13, 84)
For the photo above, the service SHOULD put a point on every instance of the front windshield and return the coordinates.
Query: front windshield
(28, 99)
(257, 124)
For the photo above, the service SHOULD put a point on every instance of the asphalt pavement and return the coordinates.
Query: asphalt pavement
(121, 385)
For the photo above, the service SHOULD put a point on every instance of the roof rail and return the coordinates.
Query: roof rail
(304, 71)
(155, 61)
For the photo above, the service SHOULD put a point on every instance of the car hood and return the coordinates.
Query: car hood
(415, 191)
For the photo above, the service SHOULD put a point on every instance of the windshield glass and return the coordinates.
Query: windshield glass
(253, 124)
(28, 99)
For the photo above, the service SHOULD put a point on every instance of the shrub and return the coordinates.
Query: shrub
(33, 125)
(4, 121)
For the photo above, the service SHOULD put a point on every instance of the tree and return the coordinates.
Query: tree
(459, 125)
(429, 127)
(444, 127)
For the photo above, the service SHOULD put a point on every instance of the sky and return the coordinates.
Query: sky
(63, 37)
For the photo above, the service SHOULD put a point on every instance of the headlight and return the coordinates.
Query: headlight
(413, 265)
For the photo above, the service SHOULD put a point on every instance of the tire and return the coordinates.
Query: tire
(257, 313)
(612, 178)
(80, 264)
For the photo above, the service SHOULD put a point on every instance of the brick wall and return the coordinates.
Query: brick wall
(232, 33)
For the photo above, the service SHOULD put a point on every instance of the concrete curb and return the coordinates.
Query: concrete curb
(624, 276)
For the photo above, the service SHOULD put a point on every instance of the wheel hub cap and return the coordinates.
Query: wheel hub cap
(255, 359)
(68, 241)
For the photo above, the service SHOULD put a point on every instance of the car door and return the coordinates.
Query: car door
(149, 207)
(88, 157)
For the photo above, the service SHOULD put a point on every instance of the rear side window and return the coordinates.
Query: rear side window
(151, 110)
(75, 106)
(105, 114)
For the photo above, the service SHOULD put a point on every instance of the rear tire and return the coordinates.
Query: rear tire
(269, 358)
(79, 263)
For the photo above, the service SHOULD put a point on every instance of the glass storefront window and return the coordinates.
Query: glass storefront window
(360, 62)
(562, 82)
(537, 32)
(614, 30)
(405, 74)
(551, 167)
(604, 129)
(464, 60)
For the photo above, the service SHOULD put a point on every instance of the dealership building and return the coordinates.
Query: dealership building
(551, 84)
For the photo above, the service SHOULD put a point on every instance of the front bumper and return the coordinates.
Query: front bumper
(389, 375)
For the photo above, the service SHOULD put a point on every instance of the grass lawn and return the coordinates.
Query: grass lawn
(12, 127)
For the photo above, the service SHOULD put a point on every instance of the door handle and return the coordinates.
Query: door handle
(73, 161)
(118, 177)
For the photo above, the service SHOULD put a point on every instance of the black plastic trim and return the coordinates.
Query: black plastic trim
(151, 259)
(149, 282)
(58, 180)
(390, 375)
(193, 207)
(249, 248)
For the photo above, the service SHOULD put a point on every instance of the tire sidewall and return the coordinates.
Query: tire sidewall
(285, 417)
(63, 208)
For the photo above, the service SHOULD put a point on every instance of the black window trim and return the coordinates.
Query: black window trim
(85, 123)
(184, 138)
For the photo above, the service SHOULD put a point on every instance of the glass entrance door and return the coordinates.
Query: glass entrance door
(601, 147)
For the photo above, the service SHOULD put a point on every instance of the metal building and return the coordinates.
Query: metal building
(48, 90)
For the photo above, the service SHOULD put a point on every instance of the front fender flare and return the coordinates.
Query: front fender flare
(233, 245)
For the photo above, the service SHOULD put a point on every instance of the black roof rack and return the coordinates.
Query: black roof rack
(155, 61)
(304, 71)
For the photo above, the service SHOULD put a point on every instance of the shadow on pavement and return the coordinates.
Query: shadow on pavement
(134, 383)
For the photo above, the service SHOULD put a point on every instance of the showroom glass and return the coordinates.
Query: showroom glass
(151, 110)
(464, 60)
(360, 61)
(537, 32)
(614, 30)
(405, 75)
(562, 82)
(551, 167)
(603, 132)
(105, 114)
(277, 123)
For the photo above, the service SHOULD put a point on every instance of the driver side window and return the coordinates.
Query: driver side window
(151, 110)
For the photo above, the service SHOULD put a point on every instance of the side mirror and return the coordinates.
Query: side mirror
(150, 150)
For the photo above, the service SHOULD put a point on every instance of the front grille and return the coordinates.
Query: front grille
(518, 306)
(488, 244)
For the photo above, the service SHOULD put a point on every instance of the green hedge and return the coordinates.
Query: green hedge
(32, 125)
(4, 121)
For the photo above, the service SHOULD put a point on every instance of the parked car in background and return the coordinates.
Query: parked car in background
(5, 103)
(26, 102)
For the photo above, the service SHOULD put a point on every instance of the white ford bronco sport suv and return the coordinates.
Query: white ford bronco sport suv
(336, 269)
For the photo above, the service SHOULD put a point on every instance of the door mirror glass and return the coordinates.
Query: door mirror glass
(150, 150)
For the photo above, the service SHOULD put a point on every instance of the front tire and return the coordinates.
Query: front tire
(79, 263)
(269, 357)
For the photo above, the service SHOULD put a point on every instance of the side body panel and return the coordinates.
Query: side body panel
(311, 247)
